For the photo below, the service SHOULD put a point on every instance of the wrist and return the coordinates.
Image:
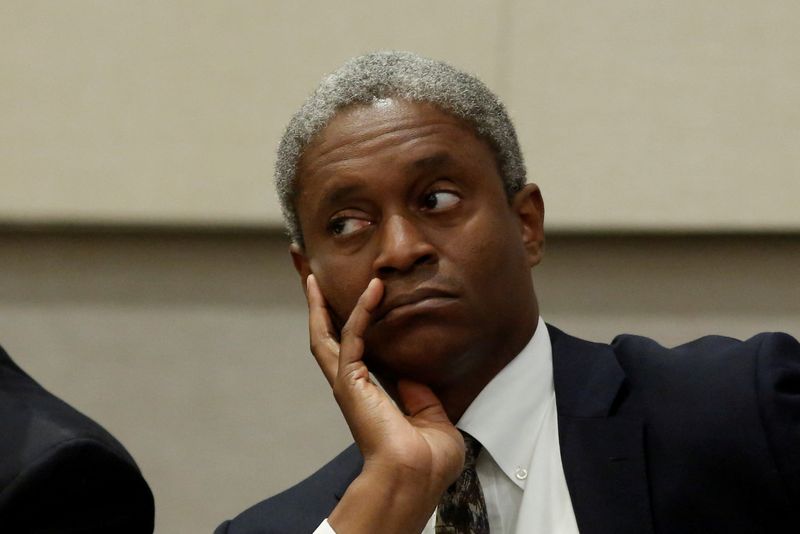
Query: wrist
(389, 500)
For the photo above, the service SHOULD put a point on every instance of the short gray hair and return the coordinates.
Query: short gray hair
(379, 75)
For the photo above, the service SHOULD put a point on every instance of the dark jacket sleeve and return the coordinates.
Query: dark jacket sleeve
(78, 486)
(778, 385)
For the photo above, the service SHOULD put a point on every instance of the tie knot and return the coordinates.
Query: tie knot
(473, 447)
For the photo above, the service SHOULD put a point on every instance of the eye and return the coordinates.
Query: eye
(342, 226)
(438, 200)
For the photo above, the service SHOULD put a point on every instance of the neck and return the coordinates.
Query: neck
(456, 395)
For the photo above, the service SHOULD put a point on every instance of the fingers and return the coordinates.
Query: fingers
(420, 402)
(352, 339)
(324, 346)
(330, 355)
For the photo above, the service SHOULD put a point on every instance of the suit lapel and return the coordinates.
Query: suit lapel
(602, 454)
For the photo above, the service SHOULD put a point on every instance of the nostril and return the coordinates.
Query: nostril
(424, 259)
(385, 272)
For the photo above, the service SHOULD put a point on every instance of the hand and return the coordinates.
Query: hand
(408, 458)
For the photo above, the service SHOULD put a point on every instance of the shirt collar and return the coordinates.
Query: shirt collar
(507, 415)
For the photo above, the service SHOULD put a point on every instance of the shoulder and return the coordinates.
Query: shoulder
(711, 365)
(714, 368)
(718, 405)
(691, 394)
(79, 481)
(707, 350)
(713, 378)
(54, 458)
(724, 356)
(302, 507)
(36, 423)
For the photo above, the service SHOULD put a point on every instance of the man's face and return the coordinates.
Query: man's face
(406, 193)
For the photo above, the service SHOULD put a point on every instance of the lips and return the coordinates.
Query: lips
(420, 299)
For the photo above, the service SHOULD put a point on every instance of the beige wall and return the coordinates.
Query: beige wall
(632, 114)
(192, 348)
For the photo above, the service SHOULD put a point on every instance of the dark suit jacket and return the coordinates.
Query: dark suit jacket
(701, 438)
(60, 472)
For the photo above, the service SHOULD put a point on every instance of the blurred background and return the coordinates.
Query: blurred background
(144, 274)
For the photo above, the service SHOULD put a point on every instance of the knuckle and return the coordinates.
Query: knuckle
(318, 347)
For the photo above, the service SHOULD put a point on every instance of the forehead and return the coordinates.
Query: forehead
(386, 136)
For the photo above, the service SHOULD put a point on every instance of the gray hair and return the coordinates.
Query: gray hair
(379, 75)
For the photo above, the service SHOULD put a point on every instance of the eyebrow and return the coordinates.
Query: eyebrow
(431, 162)
(339, 194)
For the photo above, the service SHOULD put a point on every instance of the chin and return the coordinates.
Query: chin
(427, 357)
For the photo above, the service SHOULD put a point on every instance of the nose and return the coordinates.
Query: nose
(403, 246)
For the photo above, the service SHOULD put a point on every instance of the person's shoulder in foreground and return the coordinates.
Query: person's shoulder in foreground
(60, 471)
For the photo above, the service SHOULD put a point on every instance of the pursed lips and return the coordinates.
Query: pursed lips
(421, 296)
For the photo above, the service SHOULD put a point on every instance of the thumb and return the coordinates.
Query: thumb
(420, 402)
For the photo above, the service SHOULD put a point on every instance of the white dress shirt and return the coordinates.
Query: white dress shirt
(519, 467)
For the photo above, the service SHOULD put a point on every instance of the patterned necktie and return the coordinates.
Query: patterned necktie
(462, 509)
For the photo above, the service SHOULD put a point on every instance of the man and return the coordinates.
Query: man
(60, 472)
(414, 233)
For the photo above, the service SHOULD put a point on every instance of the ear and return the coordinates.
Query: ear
(528, 206)
(301, 263)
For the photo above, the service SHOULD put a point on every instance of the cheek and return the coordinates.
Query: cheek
(493, 252)
(341, 284)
